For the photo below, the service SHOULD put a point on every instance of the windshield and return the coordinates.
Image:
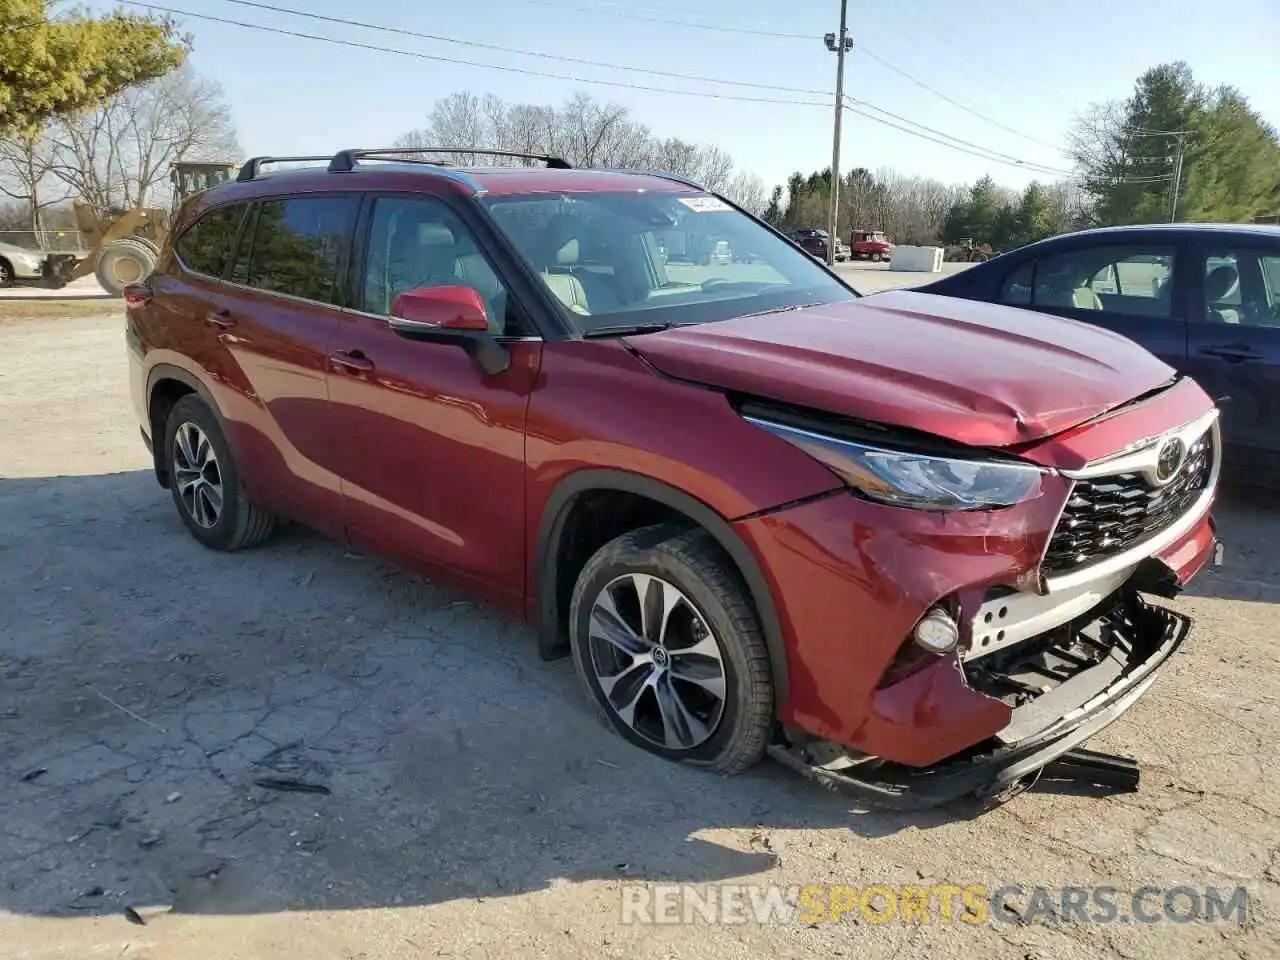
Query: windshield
(617, 259)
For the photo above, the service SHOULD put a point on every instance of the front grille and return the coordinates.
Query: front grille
(1107, 515)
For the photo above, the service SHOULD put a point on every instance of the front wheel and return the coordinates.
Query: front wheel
(205, 481)
(6, 274)
(667, 643)
(876, 258)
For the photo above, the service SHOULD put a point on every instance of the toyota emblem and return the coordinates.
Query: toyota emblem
(1169, 459)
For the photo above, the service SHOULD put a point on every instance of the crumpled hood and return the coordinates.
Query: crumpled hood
(972, 372)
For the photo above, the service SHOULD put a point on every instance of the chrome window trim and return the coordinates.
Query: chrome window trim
(352, 311)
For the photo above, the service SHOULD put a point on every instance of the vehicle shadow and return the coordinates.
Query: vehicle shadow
(298, 727)
(1248, 522)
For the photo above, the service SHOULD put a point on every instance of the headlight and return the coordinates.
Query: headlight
(919, 480)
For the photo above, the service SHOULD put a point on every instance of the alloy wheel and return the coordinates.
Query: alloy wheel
(197, 475)
(659, 665)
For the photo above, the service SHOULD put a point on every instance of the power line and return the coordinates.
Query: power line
(941, 138)
(924, 136)
(691, 25)
(458, 61)
(993, 154)
(345, 21)
(951, 100)
(581, 61)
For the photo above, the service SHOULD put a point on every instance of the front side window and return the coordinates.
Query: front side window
(416, 243)
(1130, 280)
(205, 246)
(1241, 287)
(621, 258)
(296, 244)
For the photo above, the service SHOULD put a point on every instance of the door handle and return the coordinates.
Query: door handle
(221, 319)
(353, 361)
(1232, 353)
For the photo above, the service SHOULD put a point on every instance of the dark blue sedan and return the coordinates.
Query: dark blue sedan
(1203, 297)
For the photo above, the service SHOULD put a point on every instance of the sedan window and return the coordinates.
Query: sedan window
(1131, 281)
(1240, 288)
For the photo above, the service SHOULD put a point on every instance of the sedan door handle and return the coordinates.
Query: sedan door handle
(1232, 353)
(352, 361)
(221, 319)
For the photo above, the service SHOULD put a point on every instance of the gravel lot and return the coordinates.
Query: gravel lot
(476, 808)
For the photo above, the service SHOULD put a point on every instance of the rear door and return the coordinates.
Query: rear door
(1234, 346)
(188, 295)
(276, 318)
(1126, 287)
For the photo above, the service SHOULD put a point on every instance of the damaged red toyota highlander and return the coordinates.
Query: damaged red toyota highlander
(901, 541)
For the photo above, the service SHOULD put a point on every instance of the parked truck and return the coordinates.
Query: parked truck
(870, 245)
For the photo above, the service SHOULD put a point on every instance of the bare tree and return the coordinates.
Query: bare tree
(583, 131)
(116, 156)
(747, 191)
(26, 162)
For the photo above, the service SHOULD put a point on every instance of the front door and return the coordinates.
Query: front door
(1234, 348)
(430, 450)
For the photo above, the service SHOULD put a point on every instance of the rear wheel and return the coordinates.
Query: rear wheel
(205, 483)
(876, 258)
(668, 645)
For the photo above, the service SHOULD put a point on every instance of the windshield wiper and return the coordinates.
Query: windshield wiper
(625, 329)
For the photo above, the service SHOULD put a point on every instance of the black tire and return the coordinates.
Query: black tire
(6, 274)
(876, 258)
(691, 561)
(240, 523)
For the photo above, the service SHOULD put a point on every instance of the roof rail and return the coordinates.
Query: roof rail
(344, 161)
(662, 174)
(253, 166)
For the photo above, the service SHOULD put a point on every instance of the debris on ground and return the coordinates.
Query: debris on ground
(291, 785)
(152, 839)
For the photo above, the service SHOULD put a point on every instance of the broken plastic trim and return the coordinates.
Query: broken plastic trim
(993, 773)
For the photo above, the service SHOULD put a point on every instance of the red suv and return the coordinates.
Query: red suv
(900, 541)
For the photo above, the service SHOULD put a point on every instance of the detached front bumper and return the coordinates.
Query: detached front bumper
(1039, 731)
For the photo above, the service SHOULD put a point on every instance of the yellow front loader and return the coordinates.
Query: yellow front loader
(123, 245)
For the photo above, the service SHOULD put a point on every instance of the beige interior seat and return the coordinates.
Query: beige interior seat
(1084, 298)
(1219, 284)
(569, 291)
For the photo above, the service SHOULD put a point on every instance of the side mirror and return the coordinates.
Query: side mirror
(452, 307)
(452, 314)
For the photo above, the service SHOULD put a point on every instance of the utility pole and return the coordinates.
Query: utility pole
(1177, 175)
(839, 45)
(1177, 158)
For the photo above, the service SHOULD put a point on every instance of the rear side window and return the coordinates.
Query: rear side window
(205, 246)
(1133, 281)
(1016, 288)
(296, 245)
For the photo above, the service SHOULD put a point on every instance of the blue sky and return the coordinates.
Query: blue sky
(1028, 64)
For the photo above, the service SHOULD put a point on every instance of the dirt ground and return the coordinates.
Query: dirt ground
(475, 808)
